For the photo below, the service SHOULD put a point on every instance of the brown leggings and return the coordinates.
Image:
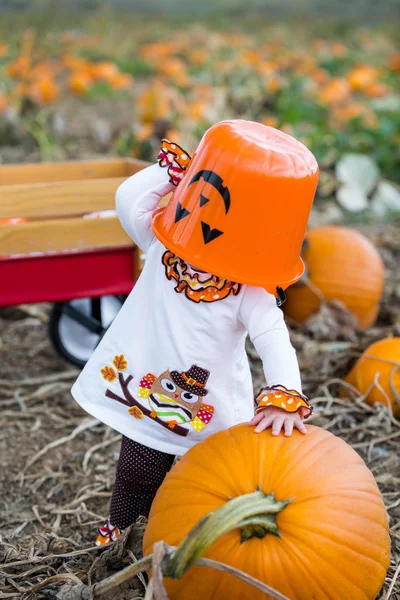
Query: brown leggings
(140, 472)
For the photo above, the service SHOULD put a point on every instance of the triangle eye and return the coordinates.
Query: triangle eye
(180, 213)
(203, 200)
(209, 234)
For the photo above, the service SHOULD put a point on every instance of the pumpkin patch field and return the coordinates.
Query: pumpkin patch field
(106, 84)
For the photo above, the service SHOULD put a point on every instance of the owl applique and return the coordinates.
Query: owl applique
(177, 398)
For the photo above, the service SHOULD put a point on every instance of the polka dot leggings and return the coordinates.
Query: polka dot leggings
(140, 472)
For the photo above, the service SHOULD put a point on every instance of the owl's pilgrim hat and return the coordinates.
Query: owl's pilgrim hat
(193, 380)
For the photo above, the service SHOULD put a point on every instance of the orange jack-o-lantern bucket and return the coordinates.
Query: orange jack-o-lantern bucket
(242, 208)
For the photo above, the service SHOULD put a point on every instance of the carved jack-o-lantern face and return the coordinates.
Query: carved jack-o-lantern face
(209, 232)
(241, 210)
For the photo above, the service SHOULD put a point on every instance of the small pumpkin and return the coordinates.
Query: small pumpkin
(325, 535)
(342, 264)
(4, 103)
(380, 363)
(79, 82)
(45, 90)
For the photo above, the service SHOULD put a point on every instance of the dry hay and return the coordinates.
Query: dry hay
(57, 464)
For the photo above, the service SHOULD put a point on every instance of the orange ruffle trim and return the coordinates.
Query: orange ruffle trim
(107, 534)
(180, 156)
(280, 397)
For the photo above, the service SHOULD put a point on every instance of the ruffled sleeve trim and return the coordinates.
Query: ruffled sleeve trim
(280, 397)
(175, 159)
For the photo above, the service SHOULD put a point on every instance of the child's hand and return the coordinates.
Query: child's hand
(278, 419)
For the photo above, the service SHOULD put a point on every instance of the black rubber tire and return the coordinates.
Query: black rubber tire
(92, 323)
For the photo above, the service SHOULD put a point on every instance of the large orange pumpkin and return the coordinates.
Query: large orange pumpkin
(332, 537)
(342, 265)
(381, 363)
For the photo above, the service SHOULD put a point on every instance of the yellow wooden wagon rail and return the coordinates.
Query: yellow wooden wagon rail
(53, 197)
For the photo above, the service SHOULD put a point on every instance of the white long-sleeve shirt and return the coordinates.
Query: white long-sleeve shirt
(170, 371)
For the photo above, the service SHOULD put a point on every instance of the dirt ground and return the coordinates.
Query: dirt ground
(57, 464)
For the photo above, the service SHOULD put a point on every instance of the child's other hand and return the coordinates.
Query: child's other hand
(278, 419)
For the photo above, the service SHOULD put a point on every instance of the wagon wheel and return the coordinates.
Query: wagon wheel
(77, 326)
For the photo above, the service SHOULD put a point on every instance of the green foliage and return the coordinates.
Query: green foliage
(101, 89)
(241, 90)
(134, 66)
(381, 143)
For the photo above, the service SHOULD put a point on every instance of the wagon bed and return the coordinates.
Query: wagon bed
(57, 254)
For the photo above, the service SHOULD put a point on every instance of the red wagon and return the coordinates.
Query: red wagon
(67, 247)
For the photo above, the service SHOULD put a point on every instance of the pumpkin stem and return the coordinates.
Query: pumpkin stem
(253, 513)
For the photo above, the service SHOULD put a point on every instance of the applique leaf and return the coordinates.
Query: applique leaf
(120, 363)
(197, 424)
(204, 416)
(147, 381)
(109, 374)
(135, 412)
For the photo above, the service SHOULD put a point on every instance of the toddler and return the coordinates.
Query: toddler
(172, 368)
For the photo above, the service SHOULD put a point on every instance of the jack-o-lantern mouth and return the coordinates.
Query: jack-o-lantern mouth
(193, 285)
